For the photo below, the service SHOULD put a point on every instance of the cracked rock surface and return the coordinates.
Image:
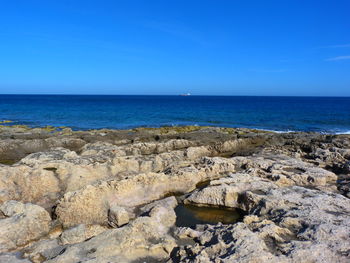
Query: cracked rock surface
(115, 195)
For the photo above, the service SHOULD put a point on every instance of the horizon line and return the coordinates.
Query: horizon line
(178, 95)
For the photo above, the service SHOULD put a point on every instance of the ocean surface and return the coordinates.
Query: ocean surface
(320, 114)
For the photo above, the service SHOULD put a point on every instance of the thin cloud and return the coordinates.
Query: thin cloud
(337, 46)
(338, 58)
(340, 46)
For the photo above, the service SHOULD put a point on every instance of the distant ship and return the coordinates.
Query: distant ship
(185, 94)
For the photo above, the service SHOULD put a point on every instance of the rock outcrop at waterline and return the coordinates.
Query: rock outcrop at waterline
(111, 196)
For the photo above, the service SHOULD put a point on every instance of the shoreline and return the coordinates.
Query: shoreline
(8, 123)
(173, 194)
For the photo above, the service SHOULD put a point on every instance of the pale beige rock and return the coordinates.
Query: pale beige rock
(292, 224)
(90, 204)
(186, 232)
(11, 208)
(86, 173)
(29, 185)
(285, 170)
(12, 258)
(220, 243)
(42, 177)
(169, 202)
(319, 222)
(145, 237)
(43, 250)
(23, 223)
(227, 191)
(103, 150)
(117, 216)
(147, 148)
(232, 146)
(193, 153)
(80, 233)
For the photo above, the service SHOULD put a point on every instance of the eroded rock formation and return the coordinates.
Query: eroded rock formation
(112, 196)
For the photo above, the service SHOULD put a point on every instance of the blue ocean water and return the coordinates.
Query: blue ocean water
(321, 114)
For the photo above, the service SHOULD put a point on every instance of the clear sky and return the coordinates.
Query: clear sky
(216, 47)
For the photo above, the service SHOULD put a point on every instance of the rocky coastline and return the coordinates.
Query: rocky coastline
(173, 194)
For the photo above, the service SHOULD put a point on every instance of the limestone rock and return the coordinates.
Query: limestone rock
(90, 180)
(43, 250)
(220, 243)
(145, 238)
(80, 233)
(117, 216)
(319, 222)
(12, 258)
(22, 223)
(195, 152)
(285, 171)
(90, 204)
(292, 224)
(23, 183)
(227, 191)
(169, 202)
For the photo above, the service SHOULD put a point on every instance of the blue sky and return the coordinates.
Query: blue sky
(219, 47)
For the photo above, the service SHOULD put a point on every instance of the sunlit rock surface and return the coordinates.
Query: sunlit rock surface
(173, 194)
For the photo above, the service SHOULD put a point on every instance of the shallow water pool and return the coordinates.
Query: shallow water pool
(191, 215)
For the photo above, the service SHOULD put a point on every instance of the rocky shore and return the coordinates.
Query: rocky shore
(173, 194)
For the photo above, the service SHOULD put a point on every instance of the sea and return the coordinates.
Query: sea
(82, 112)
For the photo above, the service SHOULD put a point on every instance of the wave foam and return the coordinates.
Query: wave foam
(344, 132)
